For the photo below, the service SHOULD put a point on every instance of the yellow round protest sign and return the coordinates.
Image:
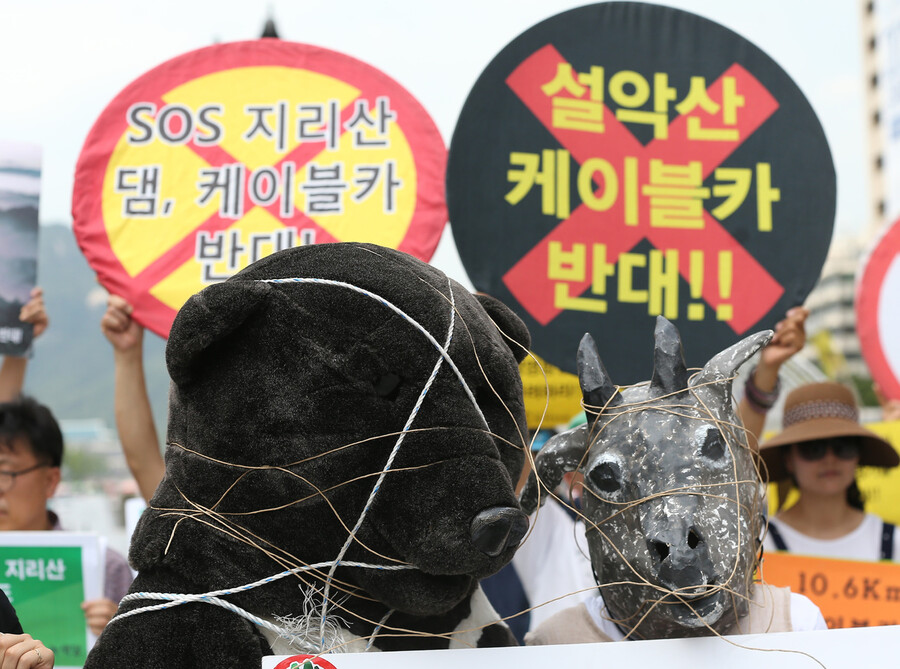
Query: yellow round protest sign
(227, 154)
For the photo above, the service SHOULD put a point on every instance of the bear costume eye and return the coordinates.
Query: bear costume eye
(606, 477)
(713, 446)
(387, 386)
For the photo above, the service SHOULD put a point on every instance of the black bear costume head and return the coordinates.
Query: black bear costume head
(336, 391)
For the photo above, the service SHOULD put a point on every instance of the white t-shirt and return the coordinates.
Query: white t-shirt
(805, 616)
(863, 543)
(553, 562)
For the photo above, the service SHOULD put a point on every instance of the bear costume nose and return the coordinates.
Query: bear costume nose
(496, 529)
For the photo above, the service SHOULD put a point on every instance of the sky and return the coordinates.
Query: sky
(64, 61)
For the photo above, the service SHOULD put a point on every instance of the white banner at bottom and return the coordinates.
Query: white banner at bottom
(869, 647)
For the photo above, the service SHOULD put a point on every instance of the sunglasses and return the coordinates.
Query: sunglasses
(843, 449)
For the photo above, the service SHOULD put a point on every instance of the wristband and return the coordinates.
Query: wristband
(760, 400)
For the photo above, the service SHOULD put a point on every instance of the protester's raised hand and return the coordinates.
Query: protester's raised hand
(20, 651)
(890, 408)
(122, 331)
(35, 313)
(12, 368)
(790, 337)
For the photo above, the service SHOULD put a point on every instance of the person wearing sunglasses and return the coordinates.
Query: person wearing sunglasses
(818, 451)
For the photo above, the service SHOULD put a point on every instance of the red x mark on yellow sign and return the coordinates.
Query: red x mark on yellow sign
(753, 291)
(217, 156)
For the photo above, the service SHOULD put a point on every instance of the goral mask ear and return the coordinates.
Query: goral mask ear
(208, 316)
(597, 390)
(669, 371)
(562, 453)
(565, 452)
(713, 383)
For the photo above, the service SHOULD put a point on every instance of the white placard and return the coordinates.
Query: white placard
(93, 553)
(134, 507)
(863, 648)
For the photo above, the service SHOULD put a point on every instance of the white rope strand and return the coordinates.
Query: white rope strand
(378, 629)
(172, 599)
(409, 421)
(263, 581)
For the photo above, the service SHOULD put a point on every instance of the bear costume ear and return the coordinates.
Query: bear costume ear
(208, 316)
(511, 326)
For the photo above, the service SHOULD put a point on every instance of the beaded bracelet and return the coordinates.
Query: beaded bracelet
(760, 400)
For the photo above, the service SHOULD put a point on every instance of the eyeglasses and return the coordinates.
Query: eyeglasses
(843, 449)
(8, 479)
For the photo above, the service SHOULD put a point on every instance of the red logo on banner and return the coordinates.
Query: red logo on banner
(304, 662)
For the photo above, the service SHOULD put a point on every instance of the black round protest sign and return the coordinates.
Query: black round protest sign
(624, 160)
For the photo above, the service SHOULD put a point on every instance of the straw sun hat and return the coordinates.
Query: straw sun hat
(821, 411)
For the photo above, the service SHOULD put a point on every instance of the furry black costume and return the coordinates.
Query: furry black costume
(312, 421)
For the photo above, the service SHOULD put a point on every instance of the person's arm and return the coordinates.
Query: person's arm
(790, 337)
(12, 370)
(12, 377)
(134, 417)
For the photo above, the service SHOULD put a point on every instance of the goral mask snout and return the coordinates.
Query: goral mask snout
(682, 558)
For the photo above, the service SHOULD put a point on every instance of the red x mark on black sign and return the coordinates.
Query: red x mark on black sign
(754, 290)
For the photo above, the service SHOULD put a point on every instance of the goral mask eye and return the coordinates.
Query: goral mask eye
(713, 447)
(606, 477)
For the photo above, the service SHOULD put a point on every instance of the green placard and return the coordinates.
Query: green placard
(46, 586)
